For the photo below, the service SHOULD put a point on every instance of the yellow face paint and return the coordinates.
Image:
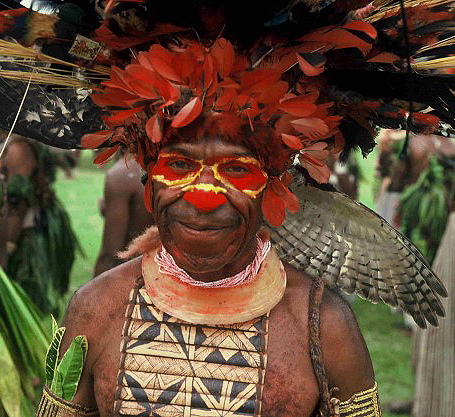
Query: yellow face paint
(240, 173)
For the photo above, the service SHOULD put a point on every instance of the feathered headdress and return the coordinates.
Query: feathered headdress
(290, 78)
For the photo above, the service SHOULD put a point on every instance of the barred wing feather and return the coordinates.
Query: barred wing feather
(352, 247)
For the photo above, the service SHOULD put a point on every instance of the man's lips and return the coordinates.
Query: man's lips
(201, 227)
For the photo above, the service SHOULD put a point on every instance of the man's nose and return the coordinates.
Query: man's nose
(206, 195)
(207, 176)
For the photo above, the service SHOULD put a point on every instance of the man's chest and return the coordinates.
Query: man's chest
(167, 366)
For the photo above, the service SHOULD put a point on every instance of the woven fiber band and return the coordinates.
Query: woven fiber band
(362, 404)
(53, 406)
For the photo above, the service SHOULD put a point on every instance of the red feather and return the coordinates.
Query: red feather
(94, 140)
(293, 142)
(116, 118)
(188, 113)
(114, 97)
(257, 80)
(154, 128)
(184, 64)
(317, 169)
(273, 207)
(273, 93)
(312, 128)
(298, 106)
(362, 27)
(308, 69)
(224, 54)
(105, 155)
(225, 100)
(148, 196)
(161, 60)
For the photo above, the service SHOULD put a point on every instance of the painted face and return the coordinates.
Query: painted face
(243, 173)
(207, 204)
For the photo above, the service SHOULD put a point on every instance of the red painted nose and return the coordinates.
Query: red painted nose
(205, 201)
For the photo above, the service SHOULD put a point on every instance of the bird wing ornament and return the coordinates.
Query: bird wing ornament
(353, 248)
(323, 75)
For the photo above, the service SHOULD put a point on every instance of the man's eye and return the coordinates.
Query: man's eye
(235, 169)
(182, 165)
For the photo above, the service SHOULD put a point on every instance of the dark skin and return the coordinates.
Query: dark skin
(125, 214)
(290, 387)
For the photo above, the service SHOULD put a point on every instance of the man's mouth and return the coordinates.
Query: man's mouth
(201, 227)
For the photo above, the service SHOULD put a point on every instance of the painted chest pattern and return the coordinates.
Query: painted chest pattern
(172, 368)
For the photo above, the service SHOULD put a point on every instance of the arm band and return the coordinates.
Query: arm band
(362, 404)
(53, 406)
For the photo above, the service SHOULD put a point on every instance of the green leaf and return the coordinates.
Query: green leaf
(70, 368)
(26, 336)
(57, 384)
(54, 325)
(52, 355)
(10, 382)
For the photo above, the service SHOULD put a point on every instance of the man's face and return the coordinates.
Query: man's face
(207, 204)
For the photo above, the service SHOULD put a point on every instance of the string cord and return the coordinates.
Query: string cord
(410, 80)
(17, 115)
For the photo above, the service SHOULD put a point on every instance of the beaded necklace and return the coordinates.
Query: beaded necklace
(168, 266)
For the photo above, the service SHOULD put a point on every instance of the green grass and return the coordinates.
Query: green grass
(388, 345)
(80, 196)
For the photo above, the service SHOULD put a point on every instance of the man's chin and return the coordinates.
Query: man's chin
(206, 250)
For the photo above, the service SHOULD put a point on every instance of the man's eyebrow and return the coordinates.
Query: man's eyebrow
(180, 150)
(187, 152)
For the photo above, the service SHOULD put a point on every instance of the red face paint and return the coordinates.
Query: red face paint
(241, 173)
(174, 169)
(205, 201)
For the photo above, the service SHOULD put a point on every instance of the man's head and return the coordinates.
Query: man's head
(207, 197)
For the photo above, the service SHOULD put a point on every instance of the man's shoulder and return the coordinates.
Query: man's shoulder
(102, 298)
(333, 308)
(124, 175)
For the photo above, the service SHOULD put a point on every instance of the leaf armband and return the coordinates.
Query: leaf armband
(62, 376)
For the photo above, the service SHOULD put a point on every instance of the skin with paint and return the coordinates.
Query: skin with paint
(228, 231)
(217, 244)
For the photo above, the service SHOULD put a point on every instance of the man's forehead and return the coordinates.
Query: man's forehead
(208, 148)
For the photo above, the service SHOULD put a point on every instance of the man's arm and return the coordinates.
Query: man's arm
(117, 214)
(346, 357)
(80, 319)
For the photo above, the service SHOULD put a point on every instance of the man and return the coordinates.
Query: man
(212, 245)
(125, 216)
(216, 119)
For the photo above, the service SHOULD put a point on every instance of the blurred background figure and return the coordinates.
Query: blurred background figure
(417, 195)
(125, 216)
(37, 239)
(416, 192)
(23, 340)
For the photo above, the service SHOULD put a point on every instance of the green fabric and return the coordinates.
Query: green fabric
(42, 261)
(20, 188)
(44, 254)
